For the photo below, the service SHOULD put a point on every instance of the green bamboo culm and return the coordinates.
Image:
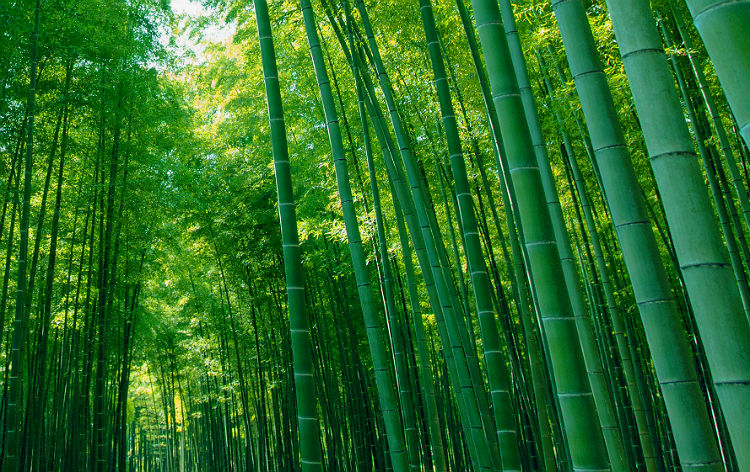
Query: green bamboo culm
(454, 355)
(724, 26)
(721, 210)
(579, 414)
(672, 355)
(13, 455)
(519, 279)
(613, 438)
(481, 435)
(381, 360)
(438, 453)
(397, 328)
(711, 107)
(616, 316)
(302, 355)
(424, 247)
(497, 371)
(703, 258)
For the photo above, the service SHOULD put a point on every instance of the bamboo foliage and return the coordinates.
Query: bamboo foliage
(540, 268)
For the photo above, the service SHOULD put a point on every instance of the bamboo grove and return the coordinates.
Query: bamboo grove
(347, 235)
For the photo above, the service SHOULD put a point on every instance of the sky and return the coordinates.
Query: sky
(188, 7)
(213, 33)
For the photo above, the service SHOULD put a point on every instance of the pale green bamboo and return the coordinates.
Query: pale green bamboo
(671, 353)
(724, 26)
(721, 134)
(729, 239)
(709, 279)
(634, 390)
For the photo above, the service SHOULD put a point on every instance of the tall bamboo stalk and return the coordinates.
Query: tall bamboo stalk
(580, 418)
(13, 458)
(634, 390)
(494, 356)
(618, 457)
(386, 387)
(670, 350)
(302, 357)
(710, 282)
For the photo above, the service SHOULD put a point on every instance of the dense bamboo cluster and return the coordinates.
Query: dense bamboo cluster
(415, 235)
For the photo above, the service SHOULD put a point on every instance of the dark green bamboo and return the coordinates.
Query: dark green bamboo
(496, 368)
(519, 281)
(428, 397)
(307, 417)
(394, 322)
(13, 458)
(428, 385)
